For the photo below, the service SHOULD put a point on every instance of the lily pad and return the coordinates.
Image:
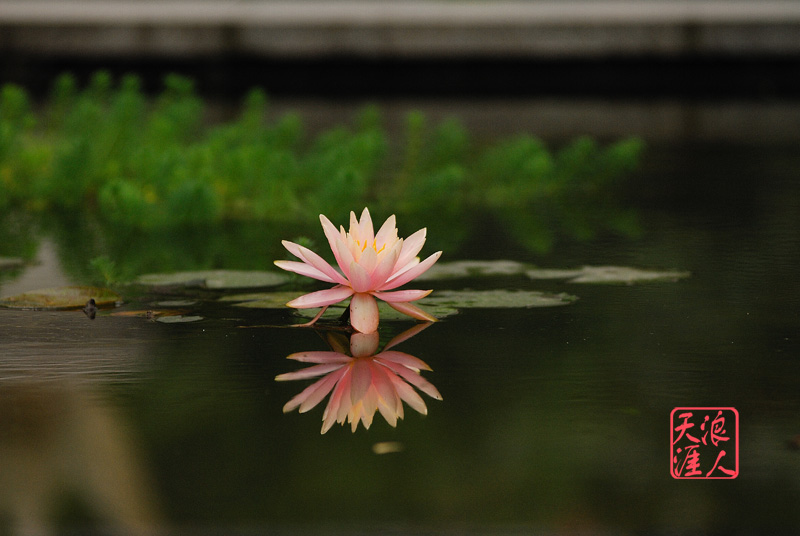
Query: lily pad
(386, 313)
(215, 279)
(440, 304)
(61, 298)
(464, 269)
(497, 299)
(177, 319)
(555, 273)
(262, 300)
(439, 311)
(608, 275)
(176, 303)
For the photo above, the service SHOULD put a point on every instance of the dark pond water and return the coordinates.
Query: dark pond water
(553, 419)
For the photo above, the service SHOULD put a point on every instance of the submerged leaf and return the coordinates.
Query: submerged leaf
(608, 275)
(215, 279)
(73, 297)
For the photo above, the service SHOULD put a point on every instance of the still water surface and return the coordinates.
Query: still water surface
(552, 419)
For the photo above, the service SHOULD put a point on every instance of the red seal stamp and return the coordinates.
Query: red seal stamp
(704, 443)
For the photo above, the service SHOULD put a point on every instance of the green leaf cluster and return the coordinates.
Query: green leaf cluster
(137, 163)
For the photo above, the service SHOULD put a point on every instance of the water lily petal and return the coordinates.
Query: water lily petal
(381, 382)
(364, 344)
(399, 405)
(408, 395)
(322, 298)
(387, 233)
(401, 358)
(407, 334)
(309, 372)
(345, 405)
(331, 413)
(359, 278)
(389, 402)
(355, 230)
(388, 413)
(413, 378)
(413, 311)
(320, 357)
(364, 313)
(410, 274)
(383, 270)
(356, 413)
(369, 404)
(360, 380)
(316, 387)
(311, 258)
(368, 260)
(304, 269)
(411, 247)
(366, 229)
(323, 388)
(401, 295)
(332, 235)
(344, 257)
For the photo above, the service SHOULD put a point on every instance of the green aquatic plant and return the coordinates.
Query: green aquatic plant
(105, 269)
(141, 166)
(17, 163)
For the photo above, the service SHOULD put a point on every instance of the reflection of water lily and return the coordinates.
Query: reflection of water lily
(371, 265)
(361, 383)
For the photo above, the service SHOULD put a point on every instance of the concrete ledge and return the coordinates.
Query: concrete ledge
(538, 29)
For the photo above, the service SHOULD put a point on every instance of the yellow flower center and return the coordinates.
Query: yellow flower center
(374, 246)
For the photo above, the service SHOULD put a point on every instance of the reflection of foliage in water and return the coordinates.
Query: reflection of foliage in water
(143, 169)
(103, 254)
(17, 242)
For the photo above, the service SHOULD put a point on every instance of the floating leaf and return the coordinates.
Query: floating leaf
(437, 310)
(262, 300)
(387, 314)
(61, 298)
(215, 279)
(608, 275)
(464, 269)
(497, 298)
(441, 304)
(545, 273)
(178, 319)
(176, 303)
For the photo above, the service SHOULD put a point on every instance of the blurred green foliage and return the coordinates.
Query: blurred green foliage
(139, 165)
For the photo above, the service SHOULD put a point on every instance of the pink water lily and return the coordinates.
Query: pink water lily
(371, 265)
(361, 383)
